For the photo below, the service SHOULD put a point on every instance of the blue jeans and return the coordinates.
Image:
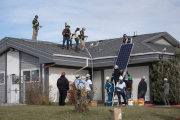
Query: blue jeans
(78, 94)
(90, 95)
(77, 43)
(128, 95)
(119, 97)
(64, 40)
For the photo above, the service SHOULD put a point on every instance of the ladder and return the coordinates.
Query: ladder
(122, 62)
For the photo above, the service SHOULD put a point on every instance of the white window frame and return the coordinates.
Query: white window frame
(30, 74)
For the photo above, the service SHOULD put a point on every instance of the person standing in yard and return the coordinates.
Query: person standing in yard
(166, 87)
(63, 86)
(117, 74)
(36, 26)
(128, 86)
(120, 86)
(80, 86)
(66, 35)
(110, 89)
(89, 88)
(142, 88)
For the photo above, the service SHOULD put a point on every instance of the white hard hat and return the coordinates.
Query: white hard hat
(116, 67)
(121, 78)
(88, 75)
(165, 79)
(78, 27)
(107, 78)
(144, 77)
(77, 76)
(84, 28)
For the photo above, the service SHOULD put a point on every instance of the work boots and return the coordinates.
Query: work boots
(70, 47)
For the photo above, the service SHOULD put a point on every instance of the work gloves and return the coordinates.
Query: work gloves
(40, 26)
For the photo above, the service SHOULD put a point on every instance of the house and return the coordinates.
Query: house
(46, 60)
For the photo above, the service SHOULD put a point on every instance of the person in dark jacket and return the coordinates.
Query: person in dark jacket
(63, 86)
(128, 86)
(117, 74)
(142, 88)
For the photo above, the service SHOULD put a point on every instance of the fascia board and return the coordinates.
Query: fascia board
(30, 50)
(152, 38)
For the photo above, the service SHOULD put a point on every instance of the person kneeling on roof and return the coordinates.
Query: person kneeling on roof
(80, 86)
(89, 88)
(121, 90)
(110, 89)
(126, 39)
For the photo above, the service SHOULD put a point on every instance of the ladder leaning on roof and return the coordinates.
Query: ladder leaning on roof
(122, 61)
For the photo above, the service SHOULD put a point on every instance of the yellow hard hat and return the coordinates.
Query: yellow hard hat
(68, 26)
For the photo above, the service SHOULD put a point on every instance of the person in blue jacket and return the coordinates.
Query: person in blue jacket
(110, 89)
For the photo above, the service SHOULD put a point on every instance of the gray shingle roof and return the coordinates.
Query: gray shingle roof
(105, 48)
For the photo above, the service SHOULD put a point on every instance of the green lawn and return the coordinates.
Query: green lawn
(32, 112)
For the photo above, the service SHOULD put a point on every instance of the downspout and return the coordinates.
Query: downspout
(83, 67)
(91, 62)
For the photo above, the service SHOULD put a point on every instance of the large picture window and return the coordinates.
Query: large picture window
(2, 78)
(31, 75)
(35, 75)
(27, 74)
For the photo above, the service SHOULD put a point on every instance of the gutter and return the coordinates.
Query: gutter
(138, 54)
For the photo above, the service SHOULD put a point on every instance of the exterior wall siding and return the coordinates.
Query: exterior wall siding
(12, 68)
(2, 85)
(55, 73)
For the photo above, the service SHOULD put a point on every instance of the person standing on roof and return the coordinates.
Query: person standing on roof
(36, 26)
(121, 86)
(142, 88)
(166, 91)
(128, 86)
(126, 39)
(80, 86)
(77, 35)
(66, 35)
(110, 89)
(63, 86)
(82, 39)
(117, 74)
(89, 88)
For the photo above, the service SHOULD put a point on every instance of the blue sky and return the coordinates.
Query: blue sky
(103, 19)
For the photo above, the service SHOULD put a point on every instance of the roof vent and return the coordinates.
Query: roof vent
(135, 33)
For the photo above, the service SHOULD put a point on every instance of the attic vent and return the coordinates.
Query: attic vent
(135, 33)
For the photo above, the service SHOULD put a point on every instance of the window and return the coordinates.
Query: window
(35, 75)
(1, 78)
(27, 74)
(32, 75)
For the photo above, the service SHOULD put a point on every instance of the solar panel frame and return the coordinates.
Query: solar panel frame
(122, 57)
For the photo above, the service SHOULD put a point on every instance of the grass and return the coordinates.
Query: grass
(32, 112)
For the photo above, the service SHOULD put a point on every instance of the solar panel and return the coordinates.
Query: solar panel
(123, 56)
